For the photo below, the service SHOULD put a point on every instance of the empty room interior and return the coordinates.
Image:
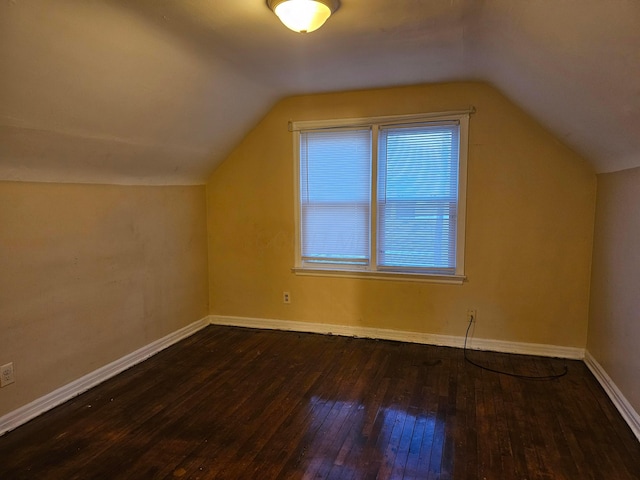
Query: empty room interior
(403, 245)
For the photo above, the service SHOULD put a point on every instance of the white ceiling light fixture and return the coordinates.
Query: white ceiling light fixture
(303, 16)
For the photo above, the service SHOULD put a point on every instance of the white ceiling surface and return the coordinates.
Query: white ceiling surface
(160, 91)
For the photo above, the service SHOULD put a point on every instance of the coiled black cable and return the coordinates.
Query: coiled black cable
(526, 377)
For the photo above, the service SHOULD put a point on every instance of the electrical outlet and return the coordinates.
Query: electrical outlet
(6, 375)
(286, 297)
(472, 316)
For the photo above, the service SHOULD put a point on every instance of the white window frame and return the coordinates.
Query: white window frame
(371, 271)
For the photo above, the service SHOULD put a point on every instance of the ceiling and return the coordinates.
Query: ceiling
(160, 91)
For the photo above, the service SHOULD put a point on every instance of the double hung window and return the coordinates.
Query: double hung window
(382, 196)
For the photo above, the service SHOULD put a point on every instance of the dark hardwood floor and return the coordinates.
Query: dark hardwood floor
(234, 403)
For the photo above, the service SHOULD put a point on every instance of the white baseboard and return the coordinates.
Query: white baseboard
(624, 407)
(39, 406)
(403, 336)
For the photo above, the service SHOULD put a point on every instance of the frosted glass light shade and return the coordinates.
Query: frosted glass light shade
(302, 16)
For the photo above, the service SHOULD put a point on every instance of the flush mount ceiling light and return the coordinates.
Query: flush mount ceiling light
(303, 16)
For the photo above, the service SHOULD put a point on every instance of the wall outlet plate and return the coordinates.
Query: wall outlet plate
(472, 315)
(6, 375)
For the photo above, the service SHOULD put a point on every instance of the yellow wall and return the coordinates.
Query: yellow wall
(90, 273)
(530, 217)
(614, 323)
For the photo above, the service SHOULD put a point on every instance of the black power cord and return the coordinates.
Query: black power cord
(526, 377)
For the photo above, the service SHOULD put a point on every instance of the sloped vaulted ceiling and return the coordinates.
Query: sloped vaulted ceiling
(159, 91)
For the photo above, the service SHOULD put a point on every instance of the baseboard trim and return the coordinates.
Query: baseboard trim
(39, 406)
(402, 336)
(624, 407)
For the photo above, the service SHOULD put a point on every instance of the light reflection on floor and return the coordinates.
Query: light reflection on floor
(348, 440)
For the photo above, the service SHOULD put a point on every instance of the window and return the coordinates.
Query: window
(335, 196)
(414, 167)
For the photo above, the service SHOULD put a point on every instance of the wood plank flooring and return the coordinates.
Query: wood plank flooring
(232, 403)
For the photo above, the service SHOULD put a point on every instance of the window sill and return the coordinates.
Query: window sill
(395, 276)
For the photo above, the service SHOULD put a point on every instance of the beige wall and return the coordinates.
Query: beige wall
(90, 273)
(530, 217)
(614, 323)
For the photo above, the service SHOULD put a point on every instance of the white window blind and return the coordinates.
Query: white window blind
(418, 197)
(335, 196)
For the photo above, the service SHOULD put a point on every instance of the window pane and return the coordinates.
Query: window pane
(417, 197)
(335, 175)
